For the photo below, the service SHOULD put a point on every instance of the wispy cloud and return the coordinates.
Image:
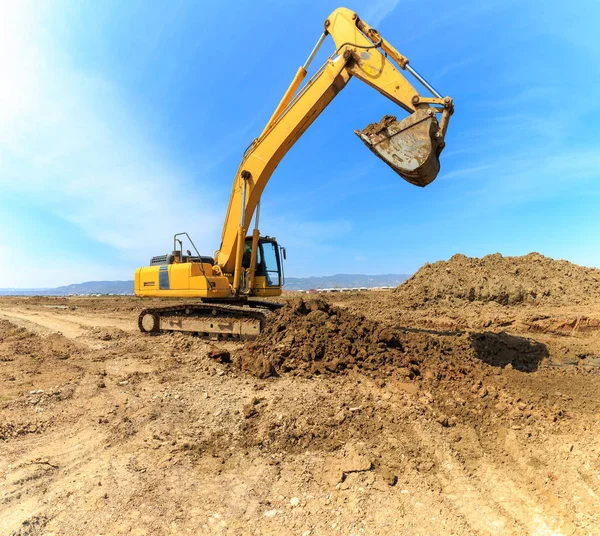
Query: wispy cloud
(378, 10)
(466, 172)
(69, 142)
(319, 239)
(527, 177)
(36, 272)
(458, 65)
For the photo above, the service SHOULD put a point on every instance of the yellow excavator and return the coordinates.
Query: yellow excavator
(250, 265)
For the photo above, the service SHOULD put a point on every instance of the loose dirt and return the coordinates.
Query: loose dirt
(375, 128)
(311, 337)
(354, 414)
(532, 279)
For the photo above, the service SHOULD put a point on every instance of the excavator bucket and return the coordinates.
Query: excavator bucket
(410, 147)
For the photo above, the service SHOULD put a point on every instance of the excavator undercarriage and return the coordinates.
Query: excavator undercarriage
(242, 320)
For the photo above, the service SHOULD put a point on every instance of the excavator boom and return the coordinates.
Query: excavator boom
(411, 147)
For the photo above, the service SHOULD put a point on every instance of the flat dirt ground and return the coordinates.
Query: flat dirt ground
(481, 418)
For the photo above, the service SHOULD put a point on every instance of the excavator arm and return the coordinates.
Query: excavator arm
(411, 147)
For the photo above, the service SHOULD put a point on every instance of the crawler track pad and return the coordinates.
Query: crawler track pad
(212, 321)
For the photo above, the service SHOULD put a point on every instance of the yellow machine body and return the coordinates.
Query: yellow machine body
(186, 280)
(183, 276)
(181, 280)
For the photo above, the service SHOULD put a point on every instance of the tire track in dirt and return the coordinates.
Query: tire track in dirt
(493, 501)
(40, 480)
(71, 325)
(44, 323)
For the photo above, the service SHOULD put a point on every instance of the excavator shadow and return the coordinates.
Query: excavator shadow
(501, 349)
(497, 349)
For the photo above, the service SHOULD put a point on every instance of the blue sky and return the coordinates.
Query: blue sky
(122, 123)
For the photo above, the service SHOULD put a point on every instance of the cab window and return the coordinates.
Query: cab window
(270, 263)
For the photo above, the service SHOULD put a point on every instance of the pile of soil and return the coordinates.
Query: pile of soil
(312, 337)
(533, 279)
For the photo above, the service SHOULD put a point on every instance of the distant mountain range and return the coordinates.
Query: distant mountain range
(90, 287)
(291, 283)
(344, 281)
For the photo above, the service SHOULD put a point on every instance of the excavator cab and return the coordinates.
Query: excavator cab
(268, 272)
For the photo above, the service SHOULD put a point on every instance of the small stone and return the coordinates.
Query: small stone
(101, 385)
(455, 437)
(249, 411)
(355, 460)
(424, 467)
(294, 501)
(270, 513)
(443, 420)
(124, 382)
(220, 355)
(307, 533)
(389, 477)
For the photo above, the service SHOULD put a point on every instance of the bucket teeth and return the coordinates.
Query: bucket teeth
(409, 147)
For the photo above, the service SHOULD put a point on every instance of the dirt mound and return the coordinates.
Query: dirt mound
(532, 279)
(312, 337)
(107, 333)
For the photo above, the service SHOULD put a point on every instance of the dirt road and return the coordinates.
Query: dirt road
(490, 426)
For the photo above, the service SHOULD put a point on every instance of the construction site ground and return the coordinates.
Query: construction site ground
(475, 418)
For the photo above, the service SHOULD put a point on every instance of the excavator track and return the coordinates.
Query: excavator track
(208, 320)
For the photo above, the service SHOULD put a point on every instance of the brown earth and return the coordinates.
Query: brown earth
(352, 414)
(532, 279)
